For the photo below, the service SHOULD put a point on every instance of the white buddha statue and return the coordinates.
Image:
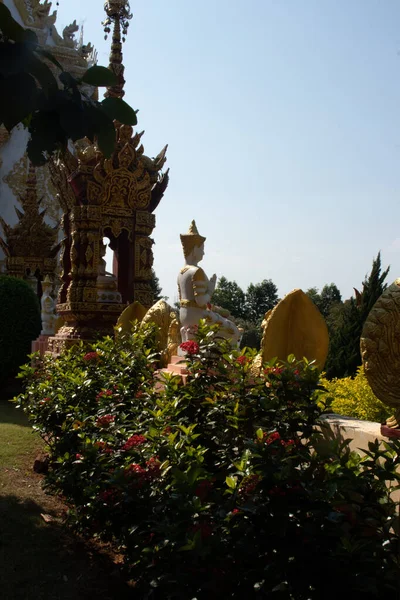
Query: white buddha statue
(47, 306)
(107, 284)
(195, 291)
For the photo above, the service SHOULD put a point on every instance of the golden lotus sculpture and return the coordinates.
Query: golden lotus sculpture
(294, 326)
(133, 312)
(380, 350)
(164, 316)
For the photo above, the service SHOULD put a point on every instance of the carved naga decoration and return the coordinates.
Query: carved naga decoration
(380, 352)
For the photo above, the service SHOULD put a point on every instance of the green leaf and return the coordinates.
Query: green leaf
(67, 80)
(46, 137)
(106, 139)
(18, 96)
(99, 77)
(13, 57)
(260, 434)
(72, 121)
(119, 110)
(231, 482)
(11, 29)
(43, 74)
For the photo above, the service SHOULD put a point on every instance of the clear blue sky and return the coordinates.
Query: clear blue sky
(282, 119)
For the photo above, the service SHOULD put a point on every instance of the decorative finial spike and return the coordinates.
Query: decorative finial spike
(118, 12)
(193, 228)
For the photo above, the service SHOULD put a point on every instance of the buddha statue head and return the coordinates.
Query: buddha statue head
(193, 243)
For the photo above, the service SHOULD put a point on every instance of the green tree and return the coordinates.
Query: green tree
(20, 324)
(260, 298)
(230, 296)
(313, 293)
(156, 287)
(347, 321)
(54, 110)
(329, 297)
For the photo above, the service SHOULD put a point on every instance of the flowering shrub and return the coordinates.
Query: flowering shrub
(190, 347)
(218, 488)
(353, 397)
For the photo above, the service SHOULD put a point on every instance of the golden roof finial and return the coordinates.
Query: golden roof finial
(118, 12)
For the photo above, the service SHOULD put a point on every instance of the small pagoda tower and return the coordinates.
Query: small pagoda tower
(106, 197)
(30, 246)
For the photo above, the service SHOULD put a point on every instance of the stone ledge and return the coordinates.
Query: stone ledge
(359, 432)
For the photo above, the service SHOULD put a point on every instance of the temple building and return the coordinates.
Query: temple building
(27, 195)
(79, 199)
(54, 220)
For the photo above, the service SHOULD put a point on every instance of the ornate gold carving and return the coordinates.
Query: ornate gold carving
(17, 181)
(168, 332)
(69, 34)
(108, 196)
(118, 12)
(145, 222)
(31, 244)
(36, 14)
(143, 293)
(143, 257)
(380, 350)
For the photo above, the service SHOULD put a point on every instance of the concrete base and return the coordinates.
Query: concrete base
(41, 344)
(177, 366)
(359, 432)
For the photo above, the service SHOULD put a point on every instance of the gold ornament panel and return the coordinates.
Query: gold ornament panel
(17, 180)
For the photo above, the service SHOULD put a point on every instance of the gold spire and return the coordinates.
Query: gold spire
(118, 12)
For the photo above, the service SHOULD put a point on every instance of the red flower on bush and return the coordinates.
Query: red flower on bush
(134, 441)
(78, 456)
(236, 511)
(91, 356)
(135, 469)
(242, 360)
(137, 474)
(274, 370)
(269, 438)
(105, 421)
(103, 447)
(248, 485)
(104, 394)
(190, 347)
(45, 400)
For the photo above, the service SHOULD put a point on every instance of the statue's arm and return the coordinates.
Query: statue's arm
(201, 288)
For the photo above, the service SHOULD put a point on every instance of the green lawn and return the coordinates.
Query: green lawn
(39, 560)
(18, 441)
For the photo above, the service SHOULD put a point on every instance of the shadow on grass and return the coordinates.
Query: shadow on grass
(12, 415)
(43, 561)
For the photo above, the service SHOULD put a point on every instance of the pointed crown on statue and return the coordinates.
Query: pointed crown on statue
(191, 239)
